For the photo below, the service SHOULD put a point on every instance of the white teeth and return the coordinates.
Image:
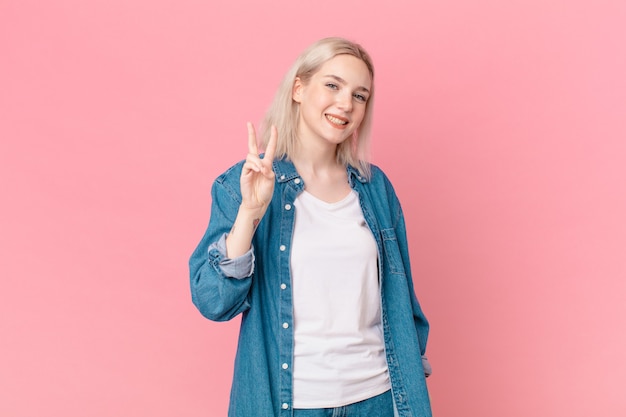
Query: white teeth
(336, 120)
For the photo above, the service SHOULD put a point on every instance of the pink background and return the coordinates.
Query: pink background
(501, 123)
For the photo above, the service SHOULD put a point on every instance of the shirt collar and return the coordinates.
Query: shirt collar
(286, 171)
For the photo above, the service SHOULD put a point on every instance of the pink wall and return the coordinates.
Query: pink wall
(501, 123)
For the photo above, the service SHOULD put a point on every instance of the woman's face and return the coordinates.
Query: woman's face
(333, 101)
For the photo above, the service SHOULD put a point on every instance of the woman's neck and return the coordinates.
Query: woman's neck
(314, 159)
(323, 175)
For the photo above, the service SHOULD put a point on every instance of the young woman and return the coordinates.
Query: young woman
(308, 242)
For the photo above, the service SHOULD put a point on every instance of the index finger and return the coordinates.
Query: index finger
(271, 145)
(252, 145)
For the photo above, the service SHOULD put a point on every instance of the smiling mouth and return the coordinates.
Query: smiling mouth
(339, 121)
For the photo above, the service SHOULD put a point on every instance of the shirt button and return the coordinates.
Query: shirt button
(283, 286)
(285, 366)
(282, 248)
(285, 325)
(285, 406)
(297, 180)
(282, 177)
(287, 206)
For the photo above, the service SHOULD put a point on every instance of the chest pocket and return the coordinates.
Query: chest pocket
(392, 252)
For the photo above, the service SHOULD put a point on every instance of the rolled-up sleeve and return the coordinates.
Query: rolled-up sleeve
(239, 267)
(428, 370)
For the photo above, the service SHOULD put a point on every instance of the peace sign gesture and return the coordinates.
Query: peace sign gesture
(257, 176)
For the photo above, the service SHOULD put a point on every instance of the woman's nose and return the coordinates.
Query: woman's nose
(344, 101)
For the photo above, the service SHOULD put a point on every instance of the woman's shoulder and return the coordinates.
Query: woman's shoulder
(231, 174)
(228, 181)
(378, 176)
(380, 184)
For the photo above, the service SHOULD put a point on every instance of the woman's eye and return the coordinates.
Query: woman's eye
(360, 97)
(332, 86)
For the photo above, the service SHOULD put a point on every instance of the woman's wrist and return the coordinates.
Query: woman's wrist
(239, 239)
(251, 213)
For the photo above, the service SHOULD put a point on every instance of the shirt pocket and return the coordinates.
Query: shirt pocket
(393, 259)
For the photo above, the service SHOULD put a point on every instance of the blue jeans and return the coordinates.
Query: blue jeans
(378, 406)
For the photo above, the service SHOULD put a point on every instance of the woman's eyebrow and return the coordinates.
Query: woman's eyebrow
(342, 81)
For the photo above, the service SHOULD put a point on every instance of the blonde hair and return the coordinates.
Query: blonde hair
(284, 111)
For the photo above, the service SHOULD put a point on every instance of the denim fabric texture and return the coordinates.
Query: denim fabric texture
(378, 406)
(262, 381)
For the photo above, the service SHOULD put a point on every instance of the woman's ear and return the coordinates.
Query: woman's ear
(296, 93)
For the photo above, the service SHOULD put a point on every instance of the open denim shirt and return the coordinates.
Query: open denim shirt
(262, 382)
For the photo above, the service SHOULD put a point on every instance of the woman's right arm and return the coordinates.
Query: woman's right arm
(257, 188)
(221, 267)
(218, 293)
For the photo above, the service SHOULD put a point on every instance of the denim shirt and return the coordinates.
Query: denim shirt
(262, 382)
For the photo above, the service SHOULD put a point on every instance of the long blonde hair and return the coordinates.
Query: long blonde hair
(284, 111)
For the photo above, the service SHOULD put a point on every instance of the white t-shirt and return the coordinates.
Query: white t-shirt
(339, 353)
